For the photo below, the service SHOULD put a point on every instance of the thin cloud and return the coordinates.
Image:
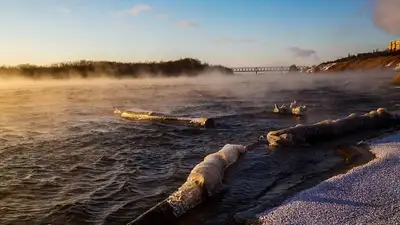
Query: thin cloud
(303, 53)
(137, 9)
(232, 40)
(187, 23)
(387, 15)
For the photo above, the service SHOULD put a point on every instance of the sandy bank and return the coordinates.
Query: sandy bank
(357, 62)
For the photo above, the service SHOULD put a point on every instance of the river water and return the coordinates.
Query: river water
(65, 158)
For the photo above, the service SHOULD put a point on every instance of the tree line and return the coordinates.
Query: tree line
(87, 69)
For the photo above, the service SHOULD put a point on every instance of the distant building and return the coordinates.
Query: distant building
(394, 46)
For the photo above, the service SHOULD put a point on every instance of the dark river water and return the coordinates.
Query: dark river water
(65, 158)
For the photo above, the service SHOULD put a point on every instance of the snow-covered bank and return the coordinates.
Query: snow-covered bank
(369, 194)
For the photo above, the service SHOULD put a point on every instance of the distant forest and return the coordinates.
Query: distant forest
(89, 69)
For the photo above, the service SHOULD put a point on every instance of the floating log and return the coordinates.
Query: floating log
(205, 180)
(132, 115)
(329, 129)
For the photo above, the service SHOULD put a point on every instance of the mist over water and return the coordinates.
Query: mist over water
(65, 158)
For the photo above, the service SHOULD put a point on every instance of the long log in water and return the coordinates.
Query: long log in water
(132, 115)
(167, 212)
(330, 129)
(204, 181)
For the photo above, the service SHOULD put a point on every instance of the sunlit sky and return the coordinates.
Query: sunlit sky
(228, 32)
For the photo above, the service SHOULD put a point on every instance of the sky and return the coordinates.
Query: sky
(232, 33)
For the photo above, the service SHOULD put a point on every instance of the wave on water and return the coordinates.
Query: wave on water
(65, 158)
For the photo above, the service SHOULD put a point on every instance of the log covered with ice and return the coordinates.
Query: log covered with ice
(330, 129)
(154, 116)
(204, 180)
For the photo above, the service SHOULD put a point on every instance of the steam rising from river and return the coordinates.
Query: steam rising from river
(247, 84)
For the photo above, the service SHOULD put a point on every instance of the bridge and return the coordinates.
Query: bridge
(268, 69)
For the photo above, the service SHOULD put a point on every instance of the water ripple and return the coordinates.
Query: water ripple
(65, 159)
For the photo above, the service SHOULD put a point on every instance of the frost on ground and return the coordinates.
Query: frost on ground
(326, 67)
(389, 64)
(369, 194)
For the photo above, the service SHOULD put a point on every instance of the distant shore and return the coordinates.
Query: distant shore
(92, 69)
(360, 61)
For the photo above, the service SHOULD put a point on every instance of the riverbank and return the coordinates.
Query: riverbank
(93, 69)
(365, 194)
(359, 62)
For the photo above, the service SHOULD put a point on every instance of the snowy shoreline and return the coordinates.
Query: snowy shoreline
(367, 194)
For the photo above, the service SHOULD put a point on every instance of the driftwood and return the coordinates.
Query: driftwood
(330, 129)
(204, 181)
(132, 115)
